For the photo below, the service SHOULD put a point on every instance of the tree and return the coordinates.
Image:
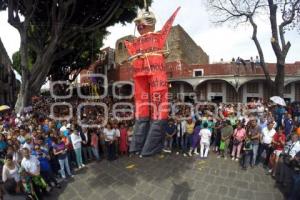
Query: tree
(81, 55)
(52, 31)
(16, 58)
(247, 11)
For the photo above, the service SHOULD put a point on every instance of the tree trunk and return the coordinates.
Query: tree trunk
(279, 79)
(24, 96)
(32, 80)
(263, 64)
(280, 51)
(31, 85)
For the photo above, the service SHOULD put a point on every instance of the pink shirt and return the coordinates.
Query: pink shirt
(239, 134)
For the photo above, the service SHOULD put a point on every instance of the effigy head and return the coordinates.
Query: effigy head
(145, 21)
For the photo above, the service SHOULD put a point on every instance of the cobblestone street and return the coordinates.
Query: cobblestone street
(168, 177)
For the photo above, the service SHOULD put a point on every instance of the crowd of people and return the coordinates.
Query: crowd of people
(252, 134)
(38, 152)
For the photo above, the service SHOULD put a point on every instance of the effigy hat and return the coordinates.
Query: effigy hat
(145, 17)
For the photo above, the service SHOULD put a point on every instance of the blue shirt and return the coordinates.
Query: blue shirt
(44, 162)
(49, 142)
(170, 129)
(46, 128)
(288, 125)
(279, 113)
(3, 145)
(58, 125)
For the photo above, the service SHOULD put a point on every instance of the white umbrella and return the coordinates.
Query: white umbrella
(278, 100)
(4, 107)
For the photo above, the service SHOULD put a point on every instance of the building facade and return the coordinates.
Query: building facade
(192, 77)
(8, 82)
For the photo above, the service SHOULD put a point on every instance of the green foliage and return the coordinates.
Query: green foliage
(16, 57)
(83, 53)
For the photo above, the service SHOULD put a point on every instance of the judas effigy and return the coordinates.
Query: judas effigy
(147, 57)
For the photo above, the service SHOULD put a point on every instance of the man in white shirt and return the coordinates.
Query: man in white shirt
(30, 163)
(266, 138)
(268, 133)
(294, 147)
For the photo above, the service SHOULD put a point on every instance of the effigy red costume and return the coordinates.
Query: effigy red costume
(151, 89)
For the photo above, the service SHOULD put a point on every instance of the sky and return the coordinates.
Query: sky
(217, 41)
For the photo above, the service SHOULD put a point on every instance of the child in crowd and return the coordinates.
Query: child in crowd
(205, 135)
(246, 157)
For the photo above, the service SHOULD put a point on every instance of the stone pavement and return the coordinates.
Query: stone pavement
(168, 177)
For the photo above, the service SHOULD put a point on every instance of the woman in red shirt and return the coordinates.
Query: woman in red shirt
(278, 143)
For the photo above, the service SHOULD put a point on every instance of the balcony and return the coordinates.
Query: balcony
(180, 70)
(227, 69)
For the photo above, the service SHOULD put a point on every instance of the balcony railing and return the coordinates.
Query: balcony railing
(177, 70)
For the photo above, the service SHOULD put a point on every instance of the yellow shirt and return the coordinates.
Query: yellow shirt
(190, 128)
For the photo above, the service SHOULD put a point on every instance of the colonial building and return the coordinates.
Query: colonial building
(8, 82)
(192, 77)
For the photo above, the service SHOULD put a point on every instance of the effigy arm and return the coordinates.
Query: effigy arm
(168, 25)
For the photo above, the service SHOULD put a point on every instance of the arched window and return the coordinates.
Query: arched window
(120, 46)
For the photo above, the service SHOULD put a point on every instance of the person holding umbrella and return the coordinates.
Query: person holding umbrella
(279, 110)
